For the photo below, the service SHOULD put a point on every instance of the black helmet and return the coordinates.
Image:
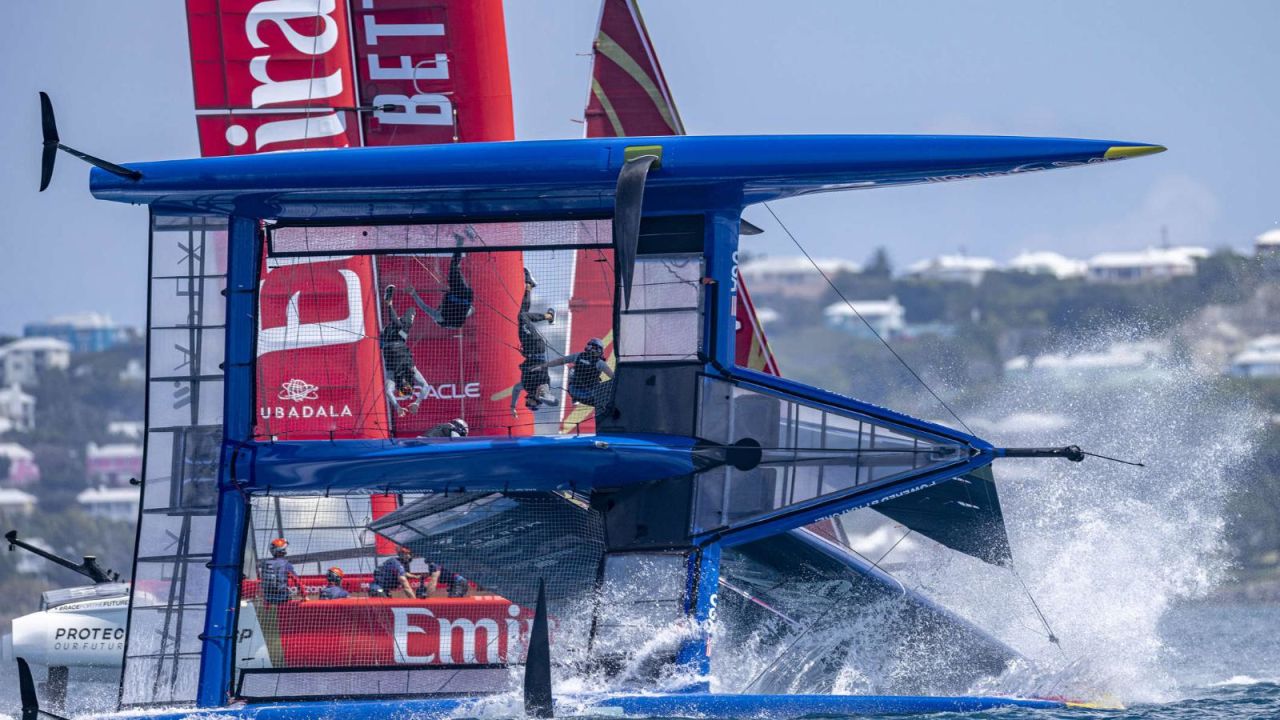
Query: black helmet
(528, 278)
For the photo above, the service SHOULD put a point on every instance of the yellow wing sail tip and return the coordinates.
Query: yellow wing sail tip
(1120, 152)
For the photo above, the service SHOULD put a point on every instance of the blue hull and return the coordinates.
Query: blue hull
(696, 705)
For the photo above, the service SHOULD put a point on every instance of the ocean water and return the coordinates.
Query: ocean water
(1122, 561)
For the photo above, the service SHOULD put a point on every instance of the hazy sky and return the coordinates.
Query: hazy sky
(1198, 77)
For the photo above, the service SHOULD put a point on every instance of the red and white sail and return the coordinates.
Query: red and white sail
(630, 97)
(303, 74)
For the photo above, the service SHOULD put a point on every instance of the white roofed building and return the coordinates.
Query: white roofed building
(16, 503)
(1268, 243)
(887, 317)
(1145, 265)
(1259, 359)
(22, 360)
(952, 268)
(793, 276)
(132, 429)
(1049, 263)
(119, 503)
(112, 463)
(17, 409)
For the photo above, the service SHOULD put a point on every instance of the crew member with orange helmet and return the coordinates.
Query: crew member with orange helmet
(276, 574)
(334, 590)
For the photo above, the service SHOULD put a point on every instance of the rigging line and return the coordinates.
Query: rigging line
(311, 80)
(1043, 620)
(879, 337)
(1117, 460)
(891, 549)
(785, 651)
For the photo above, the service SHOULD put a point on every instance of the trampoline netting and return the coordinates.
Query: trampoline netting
(399, 330)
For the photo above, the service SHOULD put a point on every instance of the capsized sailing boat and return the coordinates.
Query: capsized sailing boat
(630, 96)
(691, 451)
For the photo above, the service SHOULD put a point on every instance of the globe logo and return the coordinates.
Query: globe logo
(298, 390)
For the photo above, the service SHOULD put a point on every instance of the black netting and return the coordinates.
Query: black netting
(186, 340)
(359, 239)
(402, 344)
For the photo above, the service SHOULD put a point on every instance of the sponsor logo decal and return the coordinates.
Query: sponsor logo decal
(298, 390)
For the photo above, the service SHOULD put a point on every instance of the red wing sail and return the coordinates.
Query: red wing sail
(630, 97)
(334, 73)
(629, 94)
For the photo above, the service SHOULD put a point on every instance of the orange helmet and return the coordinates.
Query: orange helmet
(279, 546)
(334, 575)
(402, 551)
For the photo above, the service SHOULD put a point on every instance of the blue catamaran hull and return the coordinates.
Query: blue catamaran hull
(695, 705)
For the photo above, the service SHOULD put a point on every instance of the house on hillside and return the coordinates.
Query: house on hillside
(15, 504)
(1145, 265)
(117, 503)
(23, 470)
(84, 332)
(952, 268)
(1049, 263)
(794, 277)
(132, 429)
(1259, 359)
(17, 410)
(112, 464)
(1266, 247)
(1127, 355)
(1267, 244)
(886, 317)
(21, 361)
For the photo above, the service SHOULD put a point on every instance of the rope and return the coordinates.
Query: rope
(1043, 620)
(1116, 460)
(878, 336)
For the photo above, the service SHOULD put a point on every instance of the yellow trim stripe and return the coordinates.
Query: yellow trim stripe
(612, 50)
(609, 112)
(1119, 152)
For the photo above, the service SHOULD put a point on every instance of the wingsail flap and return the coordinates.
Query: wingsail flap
(963, 513)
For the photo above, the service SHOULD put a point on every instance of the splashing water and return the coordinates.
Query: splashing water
(1105, 549)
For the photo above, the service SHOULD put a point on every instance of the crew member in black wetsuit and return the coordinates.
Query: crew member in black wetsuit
(535, 381)
(549, 316)
(403, 378)
(585, 385)
(458, 302)
(334, 590)
(455, 428)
